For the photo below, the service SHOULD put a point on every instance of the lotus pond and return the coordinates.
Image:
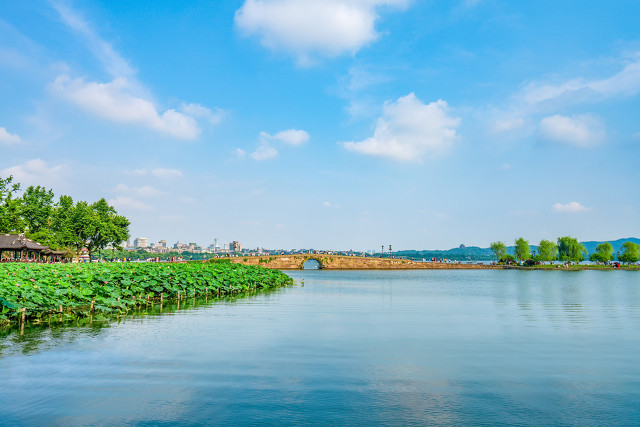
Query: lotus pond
(70, 291)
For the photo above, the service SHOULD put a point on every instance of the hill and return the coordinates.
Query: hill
(474, 253)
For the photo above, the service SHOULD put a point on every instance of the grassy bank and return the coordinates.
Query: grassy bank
(576, 267)
(36, 291)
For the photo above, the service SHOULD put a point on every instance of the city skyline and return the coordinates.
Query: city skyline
(335, 124)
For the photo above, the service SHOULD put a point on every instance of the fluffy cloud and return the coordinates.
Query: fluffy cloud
(264, 152)
(410, 130)
(291, 136)
(115, 101)
(313, 27)
(581, 131)
(571, 207)
(7, 138)
(36, 172)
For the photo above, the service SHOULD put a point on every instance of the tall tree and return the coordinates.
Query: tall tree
(10, 220)
(37, 205)
(630, 252)
(109, 228)
(547, 250)
(522, 250)
(569, 249)
(499, 250)
(61, 223)
(603, 253)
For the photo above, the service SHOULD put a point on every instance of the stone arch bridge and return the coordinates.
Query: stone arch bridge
(344, 262)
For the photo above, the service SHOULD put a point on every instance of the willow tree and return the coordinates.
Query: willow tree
(569, 249)
(630, 252)
(522, 249)
(547, 251)
(603, 253)
(499, 250)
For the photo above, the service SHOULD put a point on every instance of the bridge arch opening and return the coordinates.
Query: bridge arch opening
(312, 264)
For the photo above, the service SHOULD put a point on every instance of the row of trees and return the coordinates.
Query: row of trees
(63, 225)
(566, 249)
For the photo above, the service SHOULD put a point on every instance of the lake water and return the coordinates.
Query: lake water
(349, 347)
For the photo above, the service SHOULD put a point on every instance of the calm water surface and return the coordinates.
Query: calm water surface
(358, 348)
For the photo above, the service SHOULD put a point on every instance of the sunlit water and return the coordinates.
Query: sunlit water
(357, 348)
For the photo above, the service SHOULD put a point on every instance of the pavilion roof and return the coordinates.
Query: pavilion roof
(16, 242)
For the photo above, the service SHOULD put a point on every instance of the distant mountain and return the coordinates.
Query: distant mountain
(591, 246)
(475, 253)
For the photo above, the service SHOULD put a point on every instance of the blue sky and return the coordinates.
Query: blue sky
(330, 124)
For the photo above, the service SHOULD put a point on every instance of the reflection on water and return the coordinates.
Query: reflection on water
(32, 337)
(400, 348)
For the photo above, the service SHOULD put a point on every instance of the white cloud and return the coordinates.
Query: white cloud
(198, 111)
(7, 138)
(36, 172)
(113, 62)
(571, 207)
(129, 202)
(239, 153)
(581, 131)
(264, 152)
(114, 101)
(410, 130)
(625, 82)
(123, 99)
(145, 191)
(311, 28)
(290, 136)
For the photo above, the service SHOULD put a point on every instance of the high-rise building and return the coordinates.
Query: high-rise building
(163, 243)
(235, 246)
(141, 242)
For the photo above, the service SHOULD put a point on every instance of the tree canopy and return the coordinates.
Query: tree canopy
(61, 225)
(569, 249)
(603, 253)
(547, 251)
(499, 250)
(522, 249)
(630, 252)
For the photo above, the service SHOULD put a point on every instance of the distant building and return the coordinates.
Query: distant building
(141, 242)
(163, 243)
(235, 246)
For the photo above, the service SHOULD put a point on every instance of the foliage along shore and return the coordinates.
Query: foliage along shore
(37, 292)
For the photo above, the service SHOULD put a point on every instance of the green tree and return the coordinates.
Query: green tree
(547, 251)
(569, 249)
(10, 219)
(630, 252)
(522, 250)
(61, 223)
(108, 227)
(499, 250)
(603, 253)
(37, 205)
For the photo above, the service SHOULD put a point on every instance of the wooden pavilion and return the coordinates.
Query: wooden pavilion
(18, 248)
